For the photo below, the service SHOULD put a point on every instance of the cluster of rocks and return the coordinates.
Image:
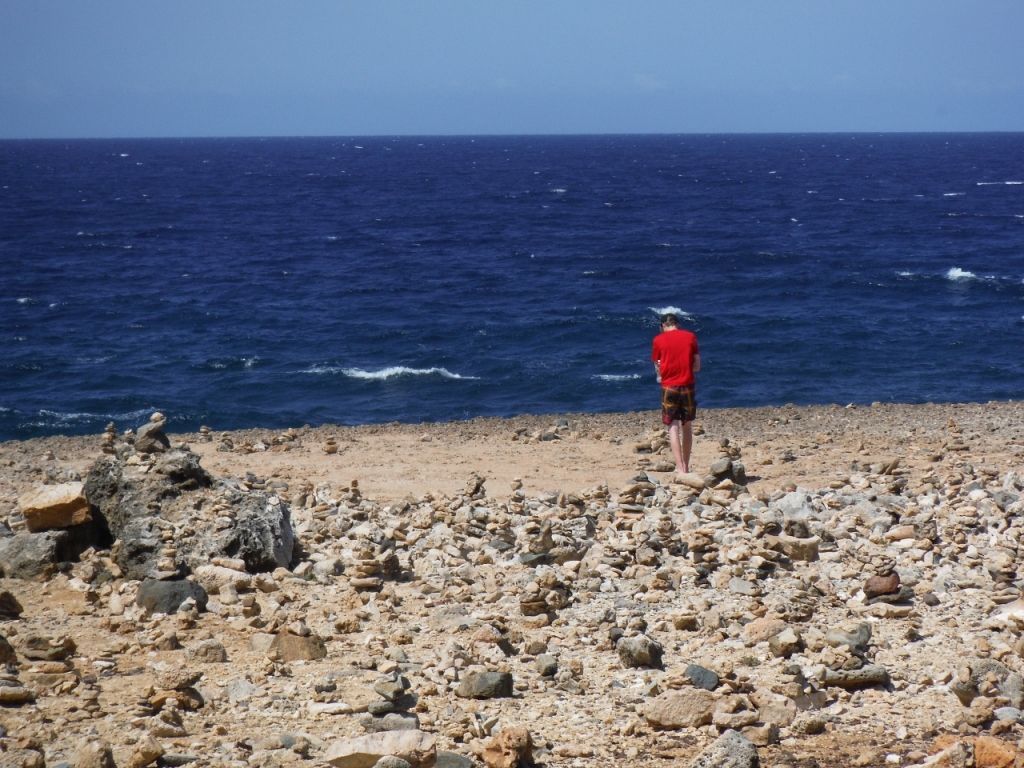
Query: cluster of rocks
(596, 625)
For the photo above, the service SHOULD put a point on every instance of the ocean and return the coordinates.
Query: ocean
(276, 282)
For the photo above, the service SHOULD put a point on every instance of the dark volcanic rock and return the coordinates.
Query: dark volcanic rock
(7, 654)
(123, 501)
(10, 608)
(167, 596)
(262, 535)
(127, 503)
(39, 555)
(702, 677)
(139, 548)
(485, 685)
(546, 665)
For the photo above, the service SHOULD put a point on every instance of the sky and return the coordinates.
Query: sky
(108, 68)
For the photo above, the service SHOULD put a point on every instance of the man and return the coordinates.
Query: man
(676, 358)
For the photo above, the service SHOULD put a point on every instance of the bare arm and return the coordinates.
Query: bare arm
(696, 363)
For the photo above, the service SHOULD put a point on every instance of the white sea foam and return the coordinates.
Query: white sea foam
(613, 377)
(24, 300)
(998, 183)
(904, 273)
(559, 191)
(955, 273)
(666, 310)
(952, 194)
(57, 418)
(387, 373)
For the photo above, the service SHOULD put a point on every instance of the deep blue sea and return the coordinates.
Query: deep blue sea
(277, 282)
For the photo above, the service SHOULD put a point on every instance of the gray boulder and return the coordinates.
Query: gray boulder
(390, 761)
(262, 535)
(139, 546)
(452, 760)
(40, 555)
(392, 721)
(855, 634)
(639, 651)
(485, 685)
(151, 438)
(124, 501)
(167, 596)
(132, 506)
(206, 652)
(701, 677)
(730, 750)
(1010, 684)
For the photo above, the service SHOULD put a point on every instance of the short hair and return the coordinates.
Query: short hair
(669, 318)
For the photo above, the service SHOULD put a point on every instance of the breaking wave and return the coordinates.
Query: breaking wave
(387, 373)
(665, 310)
(955, 273)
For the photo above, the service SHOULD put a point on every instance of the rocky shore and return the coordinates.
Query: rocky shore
(830, 586)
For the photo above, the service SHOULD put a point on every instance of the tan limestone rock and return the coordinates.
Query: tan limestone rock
(55, 506)
(509, 749)
(686, 708)
(415, 747)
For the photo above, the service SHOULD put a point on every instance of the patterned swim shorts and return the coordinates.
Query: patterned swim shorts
(678, 404)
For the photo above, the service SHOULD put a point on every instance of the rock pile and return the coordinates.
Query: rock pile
(191, 613)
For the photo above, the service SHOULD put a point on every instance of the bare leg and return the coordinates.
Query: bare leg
(687, 444)
(682, 467)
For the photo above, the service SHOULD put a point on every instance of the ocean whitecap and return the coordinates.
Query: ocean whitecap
(387, 373)
(666, 310)
(955, 273)
(49, 419)
(617, 377)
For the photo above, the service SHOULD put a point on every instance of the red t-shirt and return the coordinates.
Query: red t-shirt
(676, 350)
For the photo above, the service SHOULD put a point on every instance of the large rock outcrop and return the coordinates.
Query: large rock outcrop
(169, 516)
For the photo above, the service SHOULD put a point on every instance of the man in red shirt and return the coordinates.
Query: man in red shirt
(676, 358)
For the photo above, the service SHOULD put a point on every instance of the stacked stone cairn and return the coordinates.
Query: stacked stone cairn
(109, 439)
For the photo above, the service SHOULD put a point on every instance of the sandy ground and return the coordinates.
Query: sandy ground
(393, 461)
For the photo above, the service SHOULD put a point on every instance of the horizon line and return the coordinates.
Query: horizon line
(505, 135)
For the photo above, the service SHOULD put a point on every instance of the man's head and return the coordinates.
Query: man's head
(669, 320)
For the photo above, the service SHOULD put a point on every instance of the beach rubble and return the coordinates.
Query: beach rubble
(158, 614)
